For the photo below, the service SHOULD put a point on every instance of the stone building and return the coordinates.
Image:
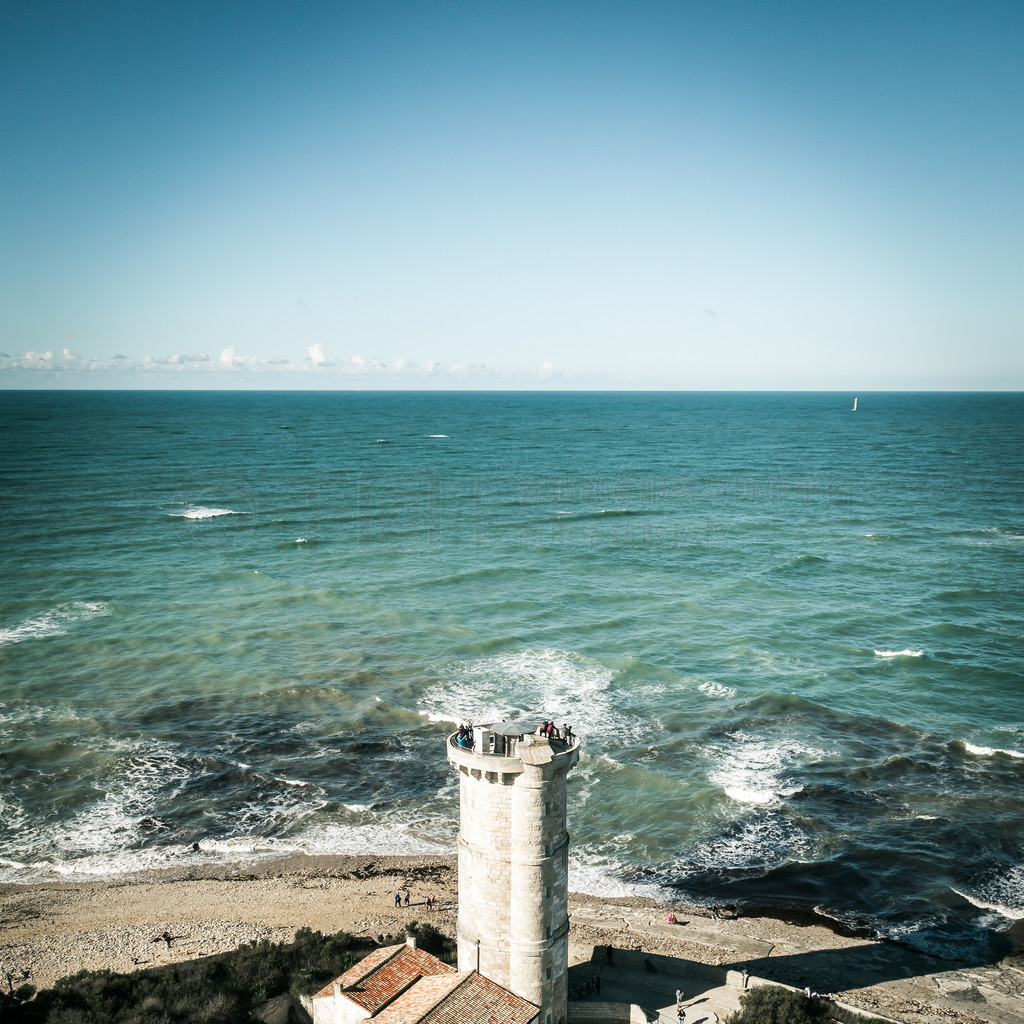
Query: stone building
(513, 924)
(406, 985)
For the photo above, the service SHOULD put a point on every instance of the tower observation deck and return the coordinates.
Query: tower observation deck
(513, 845)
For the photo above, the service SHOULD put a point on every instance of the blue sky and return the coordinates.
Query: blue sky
(688, 194)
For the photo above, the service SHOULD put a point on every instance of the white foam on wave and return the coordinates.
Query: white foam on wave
(101, 865)
(765, 838)
(22, 713)
(601, 876)
(280, 809)
(205, 512)
(297, 783)
(114, 863)
(995, 536)
(978, 751)
(906, 653)
(713, 689)
(385, 836)
(757, 769)
(12, 813)
(56, 621)
(98, 839)
(437, 435)
(129, 797)
(441, 718)
(529, 685)
(1003, 894)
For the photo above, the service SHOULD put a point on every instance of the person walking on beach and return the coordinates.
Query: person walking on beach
(406, 897)
(398, 899)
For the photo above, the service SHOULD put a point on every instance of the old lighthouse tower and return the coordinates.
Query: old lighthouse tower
(513, 860)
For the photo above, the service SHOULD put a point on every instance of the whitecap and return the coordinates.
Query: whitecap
(750, 796)
(437, 717)
(387, 835)
(1010, 535)
(713, 689)
(437, 435)
(756, 769)
(980, 751)
(298, 783)
(17, 714)
(97, 840)
(204, 512)
(600, 876)
(907, 653)
(1003, 894)
(54, 622)
(529, 685)
(763, 838)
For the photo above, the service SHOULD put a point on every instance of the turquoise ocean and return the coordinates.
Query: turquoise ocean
(789, 634)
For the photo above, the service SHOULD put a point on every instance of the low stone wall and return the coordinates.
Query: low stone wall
(591, 1012)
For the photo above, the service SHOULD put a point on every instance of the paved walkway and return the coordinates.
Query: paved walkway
(651, 981)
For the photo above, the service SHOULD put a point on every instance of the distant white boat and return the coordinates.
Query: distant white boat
(855, 405)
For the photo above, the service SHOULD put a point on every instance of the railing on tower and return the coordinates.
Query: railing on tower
(500, 739)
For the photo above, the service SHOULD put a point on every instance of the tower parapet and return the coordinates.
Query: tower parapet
(514, 860)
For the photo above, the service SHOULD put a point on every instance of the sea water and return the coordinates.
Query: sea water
(789, 634)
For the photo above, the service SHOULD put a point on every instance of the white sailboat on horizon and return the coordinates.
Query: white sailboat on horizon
(855, 405)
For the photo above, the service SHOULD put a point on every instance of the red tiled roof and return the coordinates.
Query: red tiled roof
(379, 977)
(463, 998)
(419, 999)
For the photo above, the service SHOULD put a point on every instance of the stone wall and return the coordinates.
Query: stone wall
(606, 1013)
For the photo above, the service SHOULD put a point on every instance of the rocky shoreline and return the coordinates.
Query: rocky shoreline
(52, 929)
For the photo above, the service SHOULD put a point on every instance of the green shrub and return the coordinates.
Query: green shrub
(220, 989)
(768, 1004)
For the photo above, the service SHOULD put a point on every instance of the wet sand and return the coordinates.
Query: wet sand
(53, 929)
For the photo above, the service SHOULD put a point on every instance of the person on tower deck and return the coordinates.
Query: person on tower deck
(567, 733)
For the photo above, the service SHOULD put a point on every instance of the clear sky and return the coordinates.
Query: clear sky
(682, 194)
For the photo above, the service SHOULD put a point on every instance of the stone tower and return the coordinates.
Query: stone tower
(513, 861)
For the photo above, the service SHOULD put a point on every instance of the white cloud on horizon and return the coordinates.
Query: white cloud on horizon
(317, 370)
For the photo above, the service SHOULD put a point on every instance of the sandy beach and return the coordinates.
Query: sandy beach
(53, 929)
